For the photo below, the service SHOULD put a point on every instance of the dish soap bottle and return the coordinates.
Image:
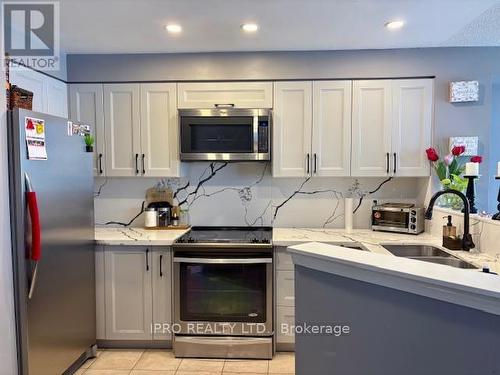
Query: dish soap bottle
(450, 240)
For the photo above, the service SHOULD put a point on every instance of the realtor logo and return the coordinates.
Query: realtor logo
(31, 34)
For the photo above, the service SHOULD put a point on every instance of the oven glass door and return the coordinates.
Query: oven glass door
(223, 292)
(225, 134)
(391, 219)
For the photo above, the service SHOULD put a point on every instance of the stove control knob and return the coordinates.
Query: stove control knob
(413, 220)
(190, 240)
(413, 227)
(255, 240)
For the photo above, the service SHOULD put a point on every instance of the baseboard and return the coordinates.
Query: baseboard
(134, 344)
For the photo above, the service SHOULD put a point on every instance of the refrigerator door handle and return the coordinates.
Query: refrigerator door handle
(136, 164)
(36, 247)
(36, 238)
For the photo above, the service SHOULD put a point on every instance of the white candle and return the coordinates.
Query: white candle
(498, 169)
(472, 169)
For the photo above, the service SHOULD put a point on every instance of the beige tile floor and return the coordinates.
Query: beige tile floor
(163, 362)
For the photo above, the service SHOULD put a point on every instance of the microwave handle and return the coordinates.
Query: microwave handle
(224, 105)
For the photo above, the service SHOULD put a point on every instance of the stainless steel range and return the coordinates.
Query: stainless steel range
(223, 293)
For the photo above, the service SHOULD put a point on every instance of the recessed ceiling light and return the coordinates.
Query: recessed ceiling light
(249, 27)
(173, 28)
(393, 25)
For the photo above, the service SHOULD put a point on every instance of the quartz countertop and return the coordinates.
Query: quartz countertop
(371, 240)
(137, 236)
(469, 288)
(374, 241)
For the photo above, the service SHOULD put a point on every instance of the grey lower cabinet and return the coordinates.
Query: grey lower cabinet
(284, 299)
(133, 293)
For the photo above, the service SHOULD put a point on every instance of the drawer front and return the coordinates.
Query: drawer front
(283, 259)
(285, 288)
(285, 317)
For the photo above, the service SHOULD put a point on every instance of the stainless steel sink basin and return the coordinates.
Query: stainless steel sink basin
(428, 254)
(416, 251)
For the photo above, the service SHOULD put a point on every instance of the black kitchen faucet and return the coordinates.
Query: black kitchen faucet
(467, 242)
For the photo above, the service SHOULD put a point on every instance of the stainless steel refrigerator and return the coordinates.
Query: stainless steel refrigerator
(52, 219)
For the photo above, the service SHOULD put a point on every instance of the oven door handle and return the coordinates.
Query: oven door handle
(223, 260)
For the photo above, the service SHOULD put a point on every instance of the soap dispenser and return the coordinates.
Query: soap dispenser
(450, 240)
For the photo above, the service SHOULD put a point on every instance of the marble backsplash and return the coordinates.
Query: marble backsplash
(246, 194)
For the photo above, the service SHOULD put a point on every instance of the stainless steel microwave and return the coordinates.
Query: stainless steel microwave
(398, 217)
(226, 134)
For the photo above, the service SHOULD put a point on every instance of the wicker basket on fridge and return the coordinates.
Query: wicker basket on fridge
(20, 98)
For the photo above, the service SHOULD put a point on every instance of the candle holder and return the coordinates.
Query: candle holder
(497, 215)
(471, 193)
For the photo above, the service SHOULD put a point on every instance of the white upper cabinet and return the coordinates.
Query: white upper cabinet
(391, 127)
(32, 81)
(292, 129)
(412, 126)
(57, 97)
(122, 129)
(225, 94)
(371, 128)
(331, 134)
(86, 101)
(141, 130)
(159, 130)
(50, 95)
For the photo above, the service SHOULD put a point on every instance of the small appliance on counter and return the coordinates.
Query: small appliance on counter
(160, 212)
(398, 217)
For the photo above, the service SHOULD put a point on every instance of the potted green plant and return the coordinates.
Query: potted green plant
(89, 142)
(450, 173)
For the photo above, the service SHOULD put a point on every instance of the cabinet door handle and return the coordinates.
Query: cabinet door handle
(136, 164)
(147, 259)
(143, 164)
(161, 269)
(315, 163)
(224, 105)
(308, 162)
(100, 164)
(395, 161)
(388, 162)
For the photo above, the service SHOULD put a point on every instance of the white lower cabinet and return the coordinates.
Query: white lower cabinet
(162, 294)
(135, 291)
(285, 299)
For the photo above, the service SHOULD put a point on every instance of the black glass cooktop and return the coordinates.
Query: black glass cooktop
(243, 235)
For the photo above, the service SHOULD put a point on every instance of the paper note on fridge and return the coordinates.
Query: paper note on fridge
(35, 138)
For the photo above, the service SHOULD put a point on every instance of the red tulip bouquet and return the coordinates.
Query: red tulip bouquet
(449, 169)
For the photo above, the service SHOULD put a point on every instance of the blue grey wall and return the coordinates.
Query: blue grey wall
(447, 64)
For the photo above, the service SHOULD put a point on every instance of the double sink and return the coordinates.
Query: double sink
(429, 254)
(424, 253)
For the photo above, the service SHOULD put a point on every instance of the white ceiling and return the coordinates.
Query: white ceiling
(136, 26)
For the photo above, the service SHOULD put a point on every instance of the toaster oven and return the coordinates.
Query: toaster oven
(398, 217)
